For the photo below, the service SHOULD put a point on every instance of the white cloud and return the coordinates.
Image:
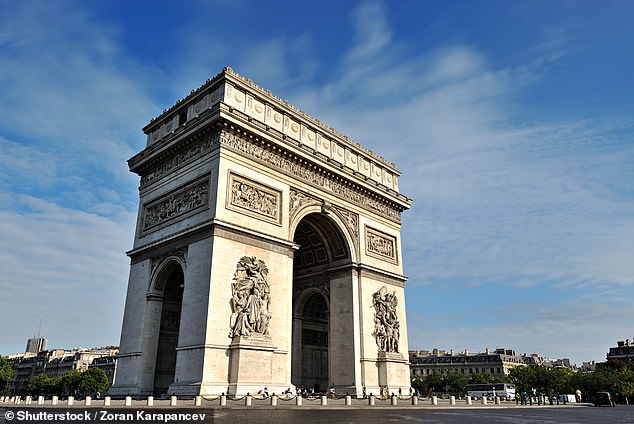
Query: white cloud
(64, 264)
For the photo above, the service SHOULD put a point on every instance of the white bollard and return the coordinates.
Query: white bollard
(55, 400)
(324, 401)
(173, 400)
(452, 400)
(394, 400)
(434, 400)
(150, 401)
(415, 400)
(247, 400)
(371, 400)
(40, 400)
(71, 401)
(469, 401)
(497, 400)
(274, 400)
(198, 400)
(28, 400)
(106, 401)
(87, 401)
(223, 400)
(348, 400)
(484, 400)
(128, 401)
(299, 400)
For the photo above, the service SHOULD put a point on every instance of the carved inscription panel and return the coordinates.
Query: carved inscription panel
(380, 245)
(254, 199)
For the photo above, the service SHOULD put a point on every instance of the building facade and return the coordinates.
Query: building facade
(624, 351)
(497, 363)
(53, 363)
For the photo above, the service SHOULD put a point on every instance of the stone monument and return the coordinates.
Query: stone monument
(267, 254)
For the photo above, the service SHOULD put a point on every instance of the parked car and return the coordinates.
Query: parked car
(603, 398)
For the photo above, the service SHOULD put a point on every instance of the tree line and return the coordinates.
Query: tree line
(616, 377)
(73, 383)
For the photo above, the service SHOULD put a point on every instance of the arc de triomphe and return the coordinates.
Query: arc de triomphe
(267, 254)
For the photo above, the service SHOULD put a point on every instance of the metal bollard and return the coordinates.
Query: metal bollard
(298, 400)
(106, 401)
(71, 401)
(371, 399)
(128, 401)
(324, 401)
(274, 400)
(452, 400)
(469, 401)
(348, 400)
(150, 401)
(415, 400)
(434, 400)
(247, 400)
(55, 400)
(198, 400)
(223, 400)
(88, 401)
(173, 400)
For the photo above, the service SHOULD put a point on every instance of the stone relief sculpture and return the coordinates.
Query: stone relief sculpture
(176, 205)
(251, 296)
(386, 325)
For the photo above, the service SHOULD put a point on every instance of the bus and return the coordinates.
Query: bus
(502, 390)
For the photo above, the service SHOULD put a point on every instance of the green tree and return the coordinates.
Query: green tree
(481, 378)
(94, 380)
(523, 378)
(71, 383)
(457, 382)
(42, 385)
(6, 374)
(435, 382)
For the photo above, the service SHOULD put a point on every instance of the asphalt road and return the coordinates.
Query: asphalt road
(576, 415)
(523, 415)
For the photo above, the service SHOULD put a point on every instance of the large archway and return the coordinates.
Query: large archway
(171, 282)
(322, 249)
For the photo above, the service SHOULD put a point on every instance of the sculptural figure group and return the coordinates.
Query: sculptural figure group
(251, 296)
(386, 325)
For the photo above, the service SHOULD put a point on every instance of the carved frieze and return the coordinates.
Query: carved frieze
(386, 324)
(254, 199)
(250, 299)
(182, 202)
(380, 245)
(310, 174)
(179, 159)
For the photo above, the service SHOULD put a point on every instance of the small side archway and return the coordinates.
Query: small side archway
(167, 288)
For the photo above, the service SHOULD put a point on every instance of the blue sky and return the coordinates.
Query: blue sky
(511, 121)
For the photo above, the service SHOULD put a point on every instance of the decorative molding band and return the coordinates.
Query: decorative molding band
(254, 199)
(176, 205)
(380, 245)
(181, 158)
(309, 173)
